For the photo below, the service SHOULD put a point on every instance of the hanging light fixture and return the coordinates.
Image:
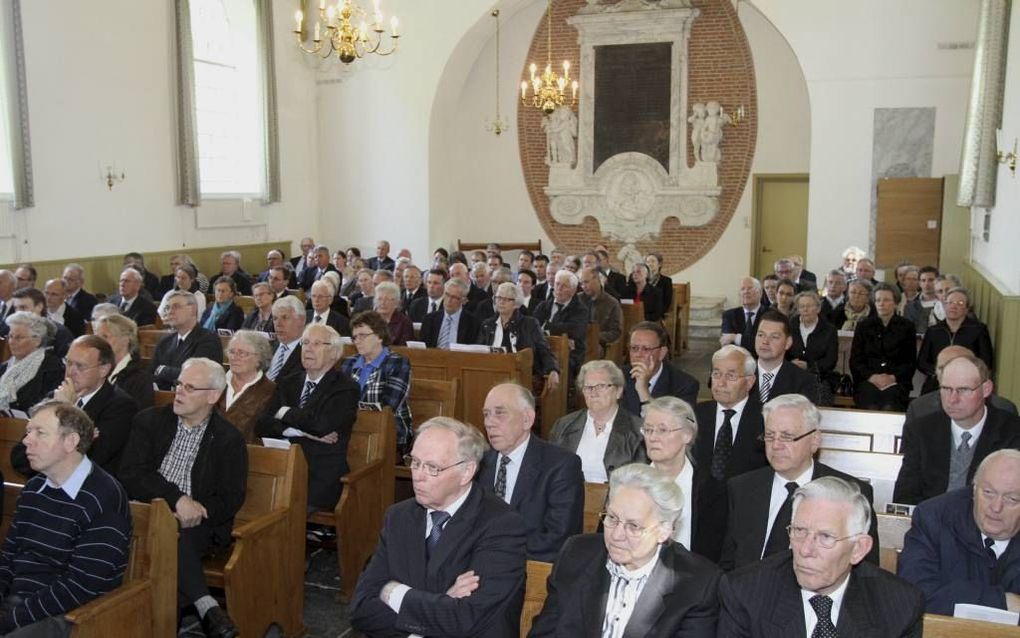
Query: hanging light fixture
(497, 125)
(548, 90)
(347, 41)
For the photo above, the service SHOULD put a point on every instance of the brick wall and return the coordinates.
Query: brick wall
(720, 69)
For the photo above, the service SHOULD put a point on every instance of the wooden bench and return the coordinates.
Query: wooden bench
(891, 530)
(262, 574)
(880, 469)
(553, 403)
(861, 430)
(146, 601)
(467, 246)
(147, 340)
(936, 626)
(595, 495)
(246, 303)
(535, 590)
(163, 398)
(12, 431)
(681, 317)
(593, 346)
(367, 493)
(633, 314)
(428, 398)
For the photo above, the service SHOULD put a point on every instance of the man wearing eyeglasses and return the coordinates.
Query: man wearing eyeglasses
(452, 323)
(941, 451)
(566, 314)
(760, 501)
(187, 341)
(650, 375)
(451, 560)
(316, 410)
(189, 455)
(823, 587)
(632, 579)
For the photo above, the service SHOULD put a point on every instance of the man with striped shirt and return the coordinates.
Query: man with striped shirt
(68, 543)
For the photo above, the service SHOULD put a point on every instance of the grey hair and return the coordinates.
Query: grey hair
(132, 274)
(664, 492)
(831, 488)
(471, 445)
(808, 294)
(387, 289)
(105, 309)
(188, 297)
(837, 272)
(8, 276)
(854, 251)
(335, 343)
(507, 289)
(322, 283)
(783, 261)
(260, 285)
(459, 284)
(731, 349)
(36, 324)
(1005, 453)
(120, 326)
(757, 283)
(959, 290)
(76, 268)
(525, 399)
(601, 365)
(812, 417)
(480, 266)
(863, 283)
(333, 277)
(261, 345)
(568, 274)
(232, 253)
(321, 248)
(290, 304)
(678, 409)
(216, 375)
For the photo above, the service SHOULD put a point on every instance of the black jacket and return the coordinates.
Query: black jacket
(821, 352)
(884, 349)
(571, 321)
(972, 335)
(136, 381)
(46, 380)
(432, 324)
(673, 382)
(168, 358)
(527, 333)
(229, 320)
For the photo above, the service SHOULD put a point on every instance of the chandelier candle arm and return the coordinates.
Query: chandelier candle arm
(348, 42)
(548, 88)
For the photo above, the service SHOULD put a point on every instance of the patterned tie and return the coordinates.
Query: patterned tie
(964, 442)
(444, 333)
(281, 356)
(500, 488)
(723, 446)
(823, 609)
(439, 519)
(318, 318)
(309, 388)
(766, 386)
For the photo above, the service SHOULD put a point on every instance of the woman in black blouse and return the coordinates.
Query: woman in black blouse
(882, 355)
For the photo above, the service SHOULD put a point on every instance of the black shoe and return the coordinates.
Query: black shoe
(320, 533)
(217, 624)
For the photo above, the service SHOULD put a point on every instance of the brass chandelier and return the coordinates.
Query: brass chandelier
(347, 41)
(548, 90)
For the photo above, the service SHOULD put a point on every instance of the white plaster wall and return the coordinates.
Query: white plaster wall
(999, 255)
(101, 91)
(858, 56)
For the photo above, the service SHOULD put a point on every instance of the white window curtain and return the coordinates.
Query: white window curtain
(16, 102)
(978, 163)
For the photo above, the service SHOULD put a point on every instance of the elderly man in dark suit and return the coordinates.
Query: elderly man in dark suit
(452, 323)
(316, 410)
(320, 267)
(322, 296)
(59, 311)
(289, 322)
(633, 579)
(823, 587)
(131, 302)
(541, 481)
(730, 441)
(450, 561)
(760, 501)
(77, 297)
(382, 259)
(960, 546)
(776, 375)
(566, 314)
(187, 341)
(740, 324)
(941, 451)
(650, 375)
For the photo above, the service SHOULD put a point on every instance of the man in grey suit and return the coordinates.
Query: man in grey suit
(823, 587)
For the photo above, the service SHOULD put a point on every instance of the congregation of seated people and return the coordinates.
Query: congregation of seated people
(719, 518)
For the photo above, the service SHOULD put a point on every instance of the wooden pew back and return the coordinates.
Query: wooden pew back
(878, 468)
(535, 590)
(891, 530)
(147, 340)
(595, 495)
(936, 626)
(433, 397)
(554, 402)
(12, 431)
(861, 430)
(163, 398)
(246, 303)
(682, 314)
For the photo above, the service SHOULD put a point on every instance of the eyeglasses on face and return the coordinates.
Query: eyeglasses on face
(643, 349)
(429, 468)
(648, 431)
(630, 528)
(361, 335)
(825, 540)
(240, 354)
(962, 392)
(729, 376)
(596, 388)
(180, 386)
(772, 437)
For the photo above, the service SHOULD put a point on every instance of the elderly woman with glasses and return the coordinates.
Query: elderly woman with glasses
(128, 373)
(248, 390)
(513, 330)
(654, 586)
(639, 288)
(603, 434)
(185, 278)
(858, 306)
(387, 305)
(959, 328)
(33, 370)
(383, 375)
(670, 428)
(224, 314)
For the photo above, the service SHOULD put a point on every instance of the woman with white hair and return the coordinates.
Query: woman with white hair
(33, 370)
(512, 330)
(669, 429)
(248, 390)
(387, 304)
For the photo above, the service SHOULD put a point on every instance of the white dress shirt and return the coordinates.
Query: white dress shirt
(738, 408)
(513, 468)
(975, 432)
(592, 450)
(625, 588)
(779, 496)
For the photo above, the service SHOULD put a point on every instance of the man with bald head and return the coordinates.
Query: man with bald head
(942, 450)
(129, 299)
(77, 297)
(57, 309)
(740, 324)
(929, 403)
(960, 548)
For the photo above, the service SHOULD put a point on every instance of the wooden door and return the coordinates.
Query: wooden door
(780, 219)
(909, 222)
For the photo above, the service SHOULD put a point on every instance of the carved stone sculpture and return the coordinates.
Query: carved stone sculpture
(560, 128)
(712, 132)
(630, 255)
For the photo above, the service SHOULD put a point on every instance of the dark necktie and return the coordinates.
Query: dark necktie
(318, 318)
(823, 609)
(557, 307)
(180, 343)
(748, 339)
(124, 306)
(723, 446)
(989, 543)
(779, 539)
(309, 388)
(500, 487)
(439, 519)
(507, 344)
(81, 404)
(433, 306)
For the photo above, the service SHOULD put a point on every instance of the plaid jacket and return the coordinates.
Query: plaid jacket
(387, 386)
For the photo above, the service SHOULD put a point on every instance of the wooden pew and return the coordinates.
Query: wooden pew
(163, 398)
(12, 431)
(936, 626)
(595, 495)
(367, 493)
(147, 340)
(861, 430)
(878, 468)
(297, 292)
(428, 398)
(682, 316)
(891, 530)
(553, 403)
(633, 314)
(468, 246)
(147, 599)
(246, 303)
(262, 574)
(593, 346)
(535, 590)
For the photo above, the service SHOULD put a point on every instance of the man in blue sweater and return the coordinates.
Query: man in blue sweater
(68, 543)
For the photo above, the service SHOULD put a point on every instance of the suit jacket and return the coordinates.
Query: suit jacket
(229, 320)
(73, 320)
(672, 382)
(541, 292)
(254, 322)
(528, 334)
(789, 379)
(548, 494)
(734, 321)
(331, 407)
(467, 327)
(571, 321)
(311, 275)
(608, 314)
(485, 535)
(748, 453)
(650, 297)
(626, 445)
(616, 283)
(386, 263)
(944, 555)
(362, 304)
(828, 311)
(83, 302)
(247, 408)
(679, 599)
(763, 600)
(931, 403)
(406, 299)
(420, 307)
(136, 381)
(665, 286)
(334, 320)
(972, 334)
(241, 281)
(477, 296)
(46, 379)
(749, 495)
(293, 363)
(167, 358)
(884, 349)
(218, 476)
(142, 311)
(926, 447)
(821, 350)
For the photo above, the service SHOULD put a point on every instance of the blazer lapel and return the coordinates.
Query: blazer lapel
(617, 439)
(457, 528)
(593, 594)
(664, 382)
(855, 618)
(527, 475)
(413, 552)
(572, 433)
(787, 617)
(651, 603)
